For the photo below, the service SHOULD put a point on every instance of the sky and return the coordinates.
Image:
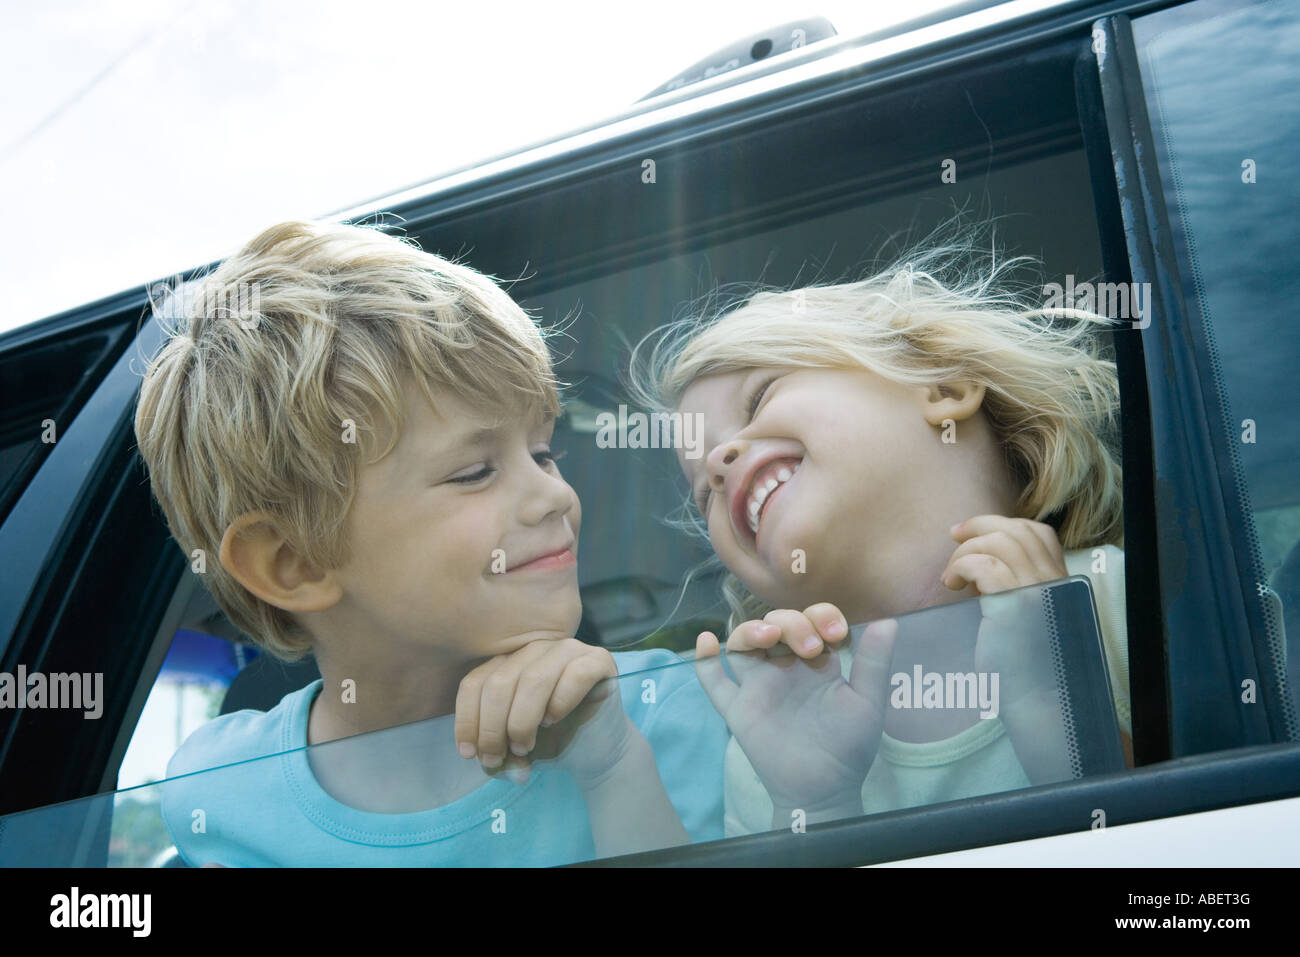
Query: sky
(139, 139)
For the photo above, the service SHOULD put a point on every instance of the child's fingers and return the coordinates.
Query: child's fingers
(752, 636)
(501, 703)
(581, 673)
(796, 631)
(986, 572)
(829, 622)
(1003, 547)
(497, 696)
(1047, 535)
(518, 770)
(982, 525)
(869, 675)
(494, 711)
(707, 645)
(1020, 550)
(1038, 537)
(533, 691)
(515, 769)
(1045, 559)
(1038, 542)
(715, 681)
(468, 696)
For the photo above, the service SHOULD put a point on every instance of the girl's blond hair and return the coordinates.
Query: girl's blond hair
(282, 373)
(943, 313)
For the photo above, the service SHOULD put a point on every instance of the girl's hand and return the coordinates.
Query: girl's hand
(806, 633)
(810, 735)
(997, 553)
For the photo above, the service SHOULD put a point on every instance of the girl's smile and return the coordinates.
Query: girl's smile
(834, 484)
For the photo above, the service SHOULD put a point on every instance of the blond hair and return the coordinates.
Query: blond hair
(942, 313)
(269, 357)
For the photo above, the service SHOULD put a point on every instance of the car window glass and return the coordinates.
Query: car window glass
(1020, 676)
(191, 687)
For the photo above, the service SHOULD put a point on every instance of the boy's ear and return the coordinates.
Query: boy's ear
(257, 555)
(956, 400)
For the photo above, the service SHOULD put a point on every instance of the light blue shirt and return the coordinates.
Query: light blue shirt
(272, 812)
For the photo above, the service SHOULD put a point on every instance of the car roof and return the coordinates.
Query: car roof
(784, 74)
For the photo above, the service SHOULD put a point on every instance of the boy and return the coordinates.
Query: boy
(364, 445)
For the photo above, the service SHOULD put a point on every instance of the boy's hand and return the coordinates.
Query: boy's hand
(997, 553)
(503, 704)
(806, 633)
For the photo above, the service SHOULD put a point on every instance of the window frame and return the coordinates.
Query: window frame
(1147, 644)
(88, 556)
(1223, 434)
(1193, 468)
(96, 338)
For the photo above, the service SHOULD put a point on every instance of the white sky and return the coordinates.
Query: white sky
(141, 138)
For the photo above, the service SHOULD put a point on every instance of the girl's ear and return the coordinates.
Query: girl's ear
(956, 400)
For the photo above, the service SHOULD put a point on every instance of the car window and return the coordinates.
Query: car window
(191, 687)
(646, 584)
(1214, 76)
(640, 572)
(1035, 685)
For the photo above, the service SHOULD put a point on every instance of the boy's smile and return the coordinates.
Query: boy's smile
(463, 542)
(549, 561)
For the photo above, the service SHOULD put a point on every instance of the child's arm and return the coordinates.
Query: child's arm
(629, 807)
(997, 554)
(560, 699)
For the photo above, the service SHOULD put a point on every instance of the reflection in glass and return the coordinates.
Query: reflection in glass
(974, 697)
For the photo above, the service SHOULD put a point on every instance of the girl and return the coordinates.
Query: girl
(873, 448)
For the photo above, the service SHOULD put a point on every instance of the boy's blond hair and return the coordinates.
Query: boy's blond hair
(310, 327)
(942, 313)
